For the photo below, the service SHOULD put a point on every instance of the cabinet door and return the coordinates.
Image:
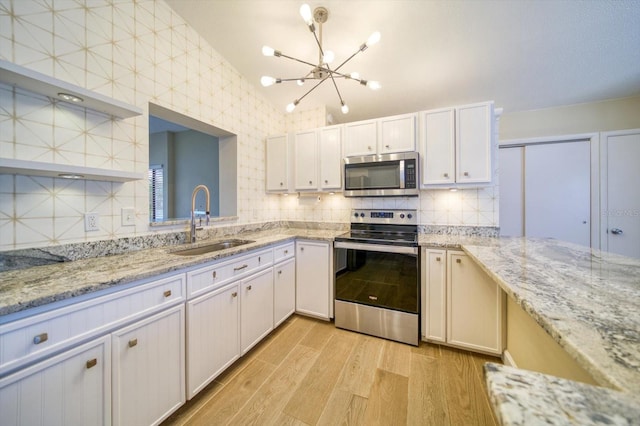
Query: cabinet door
(330, 154)
(438, 147)
(277, 153)
(213, 336)
(306, 160)
(361, 138)
(434, 291)
(284, 291)
(398, 134)
(73, 388)
(473, 143)
(313, 280)
(148, 368)
(256, 308)
(475, 306)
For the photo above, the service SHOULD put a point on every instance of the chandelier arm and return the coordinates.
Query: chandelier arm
(312, 89)
(336, 86)
(298, 60)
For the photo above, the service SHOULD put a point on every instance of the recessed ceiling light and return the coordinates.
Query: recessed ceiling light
(69, 97)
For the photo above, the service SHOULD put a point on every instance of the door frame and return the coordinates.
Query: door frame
(604, 243)
(595, 184)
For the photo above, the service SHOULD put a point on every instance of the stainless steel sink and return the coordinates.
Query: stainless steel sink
(208, 248)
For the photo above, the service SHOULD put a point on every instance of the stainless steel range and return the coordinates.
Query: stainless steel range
(377, 287)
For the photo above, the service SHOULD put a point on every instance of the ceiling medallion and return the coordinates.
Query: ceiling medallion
(321, 71)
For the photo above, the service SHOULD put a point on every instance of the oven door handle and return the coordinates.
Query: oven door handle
(384, 248)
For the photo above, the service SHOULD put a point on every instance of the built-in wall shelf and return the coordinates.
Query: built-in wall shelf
(36, 82)
(37, 168)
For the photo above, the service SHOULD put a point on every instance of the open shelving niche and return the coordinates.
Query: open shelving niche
(33, 81)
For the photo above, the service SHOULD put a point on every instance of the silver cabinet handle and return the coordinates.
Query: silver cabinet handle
(234, 294)
(369, 148)
(259, 259)
(326, 181)
(446, 175)
(92, 363)
(133, 342)
(279, 272)
(387, 146)
(301, 248)
(458, 260)
(214, 274)
(281, 183)
(241, 268)
(248, 287)
(286, 252)
(466, 173)
(167, 293)
(437, 259)
(310, 182)
(616, 231)
(40, 338)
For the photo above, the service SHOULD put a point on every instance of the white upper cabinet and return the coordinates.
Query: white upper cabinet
(277, 154)
(473, 143)
(306, 160)
(361, 138)
(456, 145)
(398, 134)
(330, 154)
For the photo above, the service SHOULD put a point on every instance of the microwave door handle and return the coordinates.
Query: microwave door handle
(402, 186)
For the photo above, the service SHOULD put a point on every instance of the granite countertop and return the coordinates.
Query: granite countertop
(37, 286)
(522, 397)
(587, 301)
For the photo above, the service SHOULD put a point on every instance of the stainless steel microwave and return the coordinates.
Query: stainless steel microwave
(385, 175)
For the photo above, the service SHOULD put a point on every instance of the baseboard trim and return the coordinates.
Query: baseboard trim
(507, 359)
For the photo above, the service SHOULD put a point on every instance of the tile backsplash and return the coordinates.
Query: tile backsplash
(140, 52)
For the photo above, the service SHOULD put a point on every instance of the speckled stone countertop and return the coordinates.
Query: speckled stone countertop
(522, 398)
(586, 300)
(41, 285)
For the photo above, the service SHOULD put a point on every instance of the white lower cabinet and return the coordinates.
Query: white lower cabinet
(461, 305)
(72, 388)
(284, 291)
(313, 279)
(213, 335)
(256, 308)
(148, 368)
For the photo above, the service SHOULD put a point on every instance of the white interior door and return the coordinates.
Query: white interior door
(621, 210)
(511, 191)
(557, 191)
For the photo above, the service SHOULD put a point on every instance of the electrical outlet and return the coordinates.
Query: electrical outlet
(91, 222)
(128, 216)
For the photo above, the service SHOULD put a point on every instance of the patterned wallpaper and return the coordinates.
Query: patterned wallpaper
(140, 52)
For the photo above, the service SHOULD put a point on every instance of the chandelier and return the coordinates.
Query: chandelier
(322, 71)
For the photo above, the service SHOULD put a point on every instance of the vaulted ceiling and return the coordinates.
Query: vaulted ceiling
(523, 54)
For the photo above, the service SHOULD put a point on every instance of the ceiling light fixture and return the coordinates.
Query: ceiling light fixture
(322, 70)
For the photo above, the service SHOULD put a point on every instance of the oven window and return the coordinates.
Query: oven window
(383, 175)
(384, 280)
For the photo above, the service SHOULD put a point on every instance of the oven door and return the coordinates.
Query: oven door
(379, 275)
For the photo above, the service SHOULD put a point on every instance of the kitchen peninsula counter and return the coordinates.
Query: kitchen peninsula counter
(588, 302)
(42, 285)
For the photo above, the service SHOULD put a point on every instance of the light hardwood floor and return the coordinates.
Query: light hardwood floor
(308, 372)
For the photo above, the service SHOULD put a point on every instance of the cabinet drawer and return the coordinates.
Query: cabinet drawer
(210, 277)
(285, 251)
(26, 340)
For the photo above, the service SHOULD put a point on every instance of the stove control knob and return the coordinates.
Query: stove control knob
(361, 214)
(409, 216)
(356, 215)
(401, 215)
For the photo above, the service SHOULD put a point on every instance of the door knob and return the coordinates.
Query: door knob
(616, 231)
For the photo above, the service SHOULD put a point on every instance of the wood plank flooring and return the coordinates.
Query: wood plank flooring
(308, 372)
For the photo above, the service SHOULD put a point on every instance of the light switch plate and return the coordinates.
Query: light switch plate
(128, 216)
(91, 222)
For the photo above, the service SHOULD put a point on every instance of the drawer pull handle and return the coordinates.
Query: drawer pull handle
(214, 274)
(446, 175)
(301, 248)
(286, 252)
(133, 342)
(458, 260)
(248, 287)
(280, 272)
(234, 294)
(167, 293)
(466, 173)
(40, 338)
(372, 297)
(241, 268)
(92, 363)
(259, 259)
(437, 259)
